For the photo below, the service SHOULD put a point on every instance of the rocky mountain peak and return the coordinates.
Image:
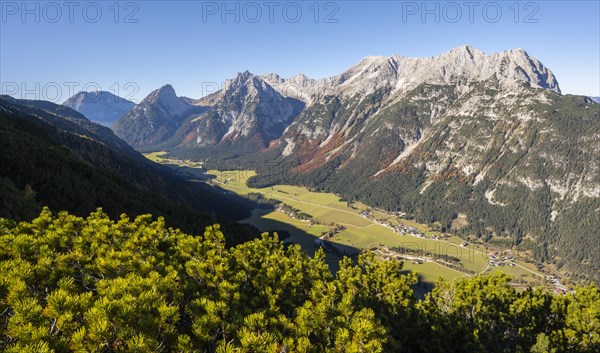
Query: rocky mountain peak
(248, 113)
(272, 77)
(155, 119)
(165, 92)
(298, 86)
(241, 84)
(240, 79)
(466, 51)
(167, 98)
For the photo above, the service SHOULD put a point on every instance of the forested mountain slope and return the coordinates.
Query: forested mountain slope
(518, 163)
(52, 155)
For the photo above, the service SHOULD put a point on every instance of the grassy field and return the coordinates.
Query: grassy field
(156, 156)
(360, 233)
(430, 271)
(159, 157)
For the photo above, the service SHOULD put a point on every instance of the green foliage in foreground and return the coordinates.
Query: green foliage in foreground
(94, 285)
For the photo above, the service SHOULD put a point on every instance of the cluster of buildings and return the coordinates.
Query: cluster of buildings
(366, 214)
(501, 259)
(552, 279)
(404, 230)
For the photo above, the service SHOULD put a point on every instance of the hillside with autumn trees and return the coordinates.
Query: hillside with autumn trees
(73, 284)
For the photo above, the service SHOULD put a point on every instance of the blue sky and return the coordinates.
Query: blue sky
(134, 47)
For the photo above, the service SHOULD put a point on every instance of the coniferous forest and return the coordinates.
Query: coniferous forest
(73, 284)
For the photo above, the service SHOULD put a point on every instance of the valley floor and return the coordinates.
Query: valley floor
(429, 253)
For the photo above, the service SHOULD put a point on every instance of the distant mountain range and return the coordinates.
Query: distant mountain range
(99, 106)
(483, 146)
(252, 111)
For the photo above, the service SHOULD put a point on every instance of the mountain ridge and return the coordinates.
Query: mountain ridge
(399, 72)
(393, 77)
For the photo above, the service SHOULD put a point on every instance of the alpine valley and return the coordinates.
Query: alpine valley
(446, 204)
(482, 146)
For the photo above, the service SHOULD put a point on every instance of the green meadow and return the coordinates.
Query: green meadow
(362, 233)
